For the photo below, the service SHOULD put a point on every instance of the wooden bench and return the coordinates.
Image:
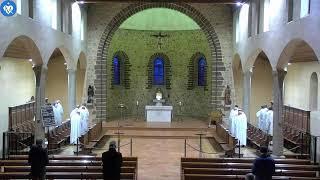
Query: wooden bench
(230, 171)
(247, 166)
(257, 137)
(64, 175)
(86, 165)
(245, 160)
(227, 141)
(237, 168)
(95, 134)
(238, 177)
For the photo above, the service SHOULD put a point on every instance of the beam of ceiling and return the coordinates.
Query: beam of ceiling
(186, 1)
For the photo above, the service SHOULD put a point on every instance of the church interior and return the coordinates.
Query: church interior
(188, 89)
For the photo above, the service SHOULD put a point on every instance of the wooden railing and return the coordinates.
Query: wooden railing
(21, 117)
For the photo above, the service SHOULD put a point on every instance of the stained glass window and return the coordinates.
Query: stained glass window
(158, 71)
(201, 71)
(116, 70)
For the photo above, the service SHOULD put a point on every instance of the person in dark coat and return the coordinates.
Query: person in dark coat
(111, 162)
(264, 166)
(38, 159)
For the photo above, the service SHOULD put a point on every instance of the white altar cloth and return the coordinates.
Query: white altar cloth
(158, 113)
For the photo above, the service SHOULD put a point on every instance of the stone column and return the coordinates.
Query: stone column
(71, 89)
(246, 93)
(41, 76)
(278, 78)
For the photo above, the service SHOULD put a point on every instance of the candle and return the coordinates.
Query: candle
(137, 103)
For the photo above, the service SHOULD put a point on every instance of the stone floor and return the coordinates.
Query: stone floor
(159, 146)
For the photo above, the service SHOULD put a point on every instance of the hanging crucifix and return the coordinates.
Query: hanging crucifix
(159, 37)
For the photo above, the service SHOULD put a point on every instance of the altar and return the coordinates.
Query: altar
(158, 113)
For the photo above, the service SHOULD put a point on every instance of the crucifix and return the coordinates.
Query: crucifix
(159, 37)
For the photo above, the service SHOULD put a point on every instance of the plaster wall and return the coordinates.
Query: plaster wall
(261, 84)
(17, 86)
(57, 83)
(297, 84)
(80, 78)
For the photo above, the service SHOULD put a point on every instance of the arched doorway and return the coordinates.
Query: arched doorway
(57, 80)
(80, 79)
(313, 96)
(261, 85)
(18, 82)
(237, 80)
(111, 28)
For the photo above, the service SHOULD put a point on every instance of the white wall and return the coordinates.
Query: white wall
(297, 84)
(17, 86)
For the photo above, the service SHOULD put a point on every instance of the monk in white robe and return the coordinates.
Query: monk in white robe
(241, 128)
(262, 118)
(232, 115)
(55, 114)
(270, 121)
(73, 112)
(75, 132)
(84, 119)
(60, 113)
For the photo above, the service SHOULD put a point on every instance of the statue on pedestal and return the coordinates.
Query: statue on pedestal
(159, 99)
(90, 94)
(227, 96)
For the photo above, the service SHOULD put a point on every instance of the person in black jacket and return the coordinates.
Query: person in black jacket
(111, 162)
(264, 166)
(38, 159)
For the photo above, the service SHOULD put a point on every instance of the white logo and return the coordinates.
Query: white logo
(8, 8)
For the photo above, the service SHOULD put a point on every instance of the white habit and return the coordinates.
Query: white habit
(241, 128)
(263, 115)
(232, 115)
(73, 112)
(60, 114)
(75, 128)
(270, 122)
(84, 119)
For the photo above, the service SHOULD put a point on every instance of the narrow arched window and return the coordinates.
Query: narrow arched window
(158, 71)
(313, 96)
(202, 71)
(116, 70)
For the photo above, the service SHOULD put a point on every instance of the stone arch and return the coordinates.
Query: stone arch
(70, 63)
(56, 86)
(261, 84)
(81, 68)
(204, 24)
(25, 48)
(237, 73)
(290, 49)
(252, 59)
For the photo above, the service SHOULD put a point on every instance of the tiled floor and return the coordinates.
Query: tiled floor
(158, 155)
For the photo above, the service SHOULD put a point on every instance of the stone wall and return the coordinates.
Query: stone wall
(214, 20)
(179, 47)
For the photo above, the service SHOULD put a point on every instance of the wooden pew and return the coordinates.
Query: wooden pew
(94, 135)
(87, 165)
(229, 171)
(246, 166)
(238, 177)
(245, 160)
(227, 141)
(63, 175)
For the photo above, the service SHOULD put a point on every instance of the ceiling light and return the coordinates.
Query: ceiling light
(239, 3)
